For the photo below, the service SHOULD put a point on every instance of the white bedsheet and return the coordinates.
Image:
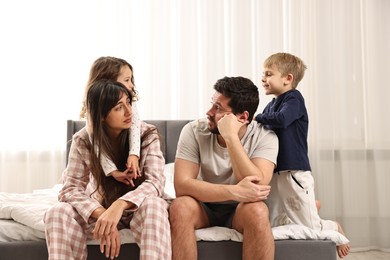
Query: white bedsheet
(21, 218)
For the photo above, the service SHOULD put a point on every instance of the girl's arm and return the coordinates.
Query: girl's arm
(152, 165)
(134, 142)
(135, 132)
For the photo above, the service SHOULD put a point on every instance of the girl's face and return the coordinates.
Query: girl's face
(119, 117)
(273, 81)
(124, 77)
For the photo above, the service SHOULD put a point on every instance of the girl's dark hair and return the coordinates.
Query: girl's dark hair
(243, 94)
(102, 96)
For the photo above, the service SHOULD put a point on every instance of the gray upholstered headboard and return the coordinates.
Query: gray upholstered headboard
(169, 131)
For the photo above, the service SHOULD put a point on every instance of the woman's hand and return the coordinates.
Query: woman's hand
(107, 222)
(111, 244)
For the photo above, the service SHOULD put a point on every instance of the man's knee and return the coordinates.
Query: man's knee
(252, 213)
(183, 209)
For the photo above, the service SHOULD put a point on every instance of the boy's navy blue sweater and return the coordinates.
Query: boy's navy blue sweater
(287, 117)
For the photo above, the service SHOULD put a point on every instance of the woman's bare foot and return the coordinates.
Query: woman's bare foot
(342, 250)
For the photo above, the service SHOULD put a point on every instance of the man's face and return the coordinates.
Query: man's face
(219, 108)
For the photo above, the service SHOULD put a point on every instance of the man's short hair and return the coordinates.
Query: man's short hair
(243, 94)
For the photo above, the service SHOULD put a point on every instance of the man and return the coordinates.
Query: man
(222, 169)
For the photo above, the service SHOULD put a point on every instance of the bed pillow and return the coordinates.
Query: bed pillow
(169, 189)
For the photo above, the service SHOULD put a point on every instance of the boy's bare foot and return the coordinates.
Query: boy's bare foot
(318, 205)
(342, 250)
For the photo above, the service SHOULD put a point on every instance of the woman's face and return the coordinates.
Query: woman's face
(124, 77)
(119, 117)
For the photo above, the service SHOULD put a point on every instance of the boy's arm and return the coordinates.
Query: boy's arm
(287, 113)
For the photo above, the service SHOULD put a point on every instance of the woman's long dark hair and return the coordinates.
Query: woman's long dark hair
(102, 96)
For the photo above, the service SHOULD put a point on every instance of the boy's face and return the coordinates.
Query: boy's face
(274, 83)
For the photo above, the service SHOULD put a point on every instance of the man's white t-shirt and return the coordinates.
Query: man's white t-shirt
(197, 144)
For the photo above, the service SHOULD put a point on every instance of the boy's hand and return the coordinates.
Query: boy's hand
(133, 165)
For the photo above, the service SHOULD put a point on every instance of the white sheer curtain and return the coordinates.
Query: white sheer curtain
(179, 49)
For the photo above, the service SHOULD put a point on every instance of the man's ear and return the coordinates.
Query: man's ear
(243, 117)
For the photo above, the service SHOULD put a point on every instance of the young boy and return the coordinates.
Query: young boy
(292, 198)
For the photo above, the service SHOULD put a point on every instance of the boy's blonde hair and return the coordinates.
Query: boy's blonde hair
(287, 63)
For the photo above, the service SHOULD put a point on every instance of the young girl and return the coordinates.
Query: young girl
(93, 205)
(121, 71)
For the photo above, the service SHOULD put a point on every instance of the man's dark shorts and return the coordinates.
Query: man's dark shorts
(220, 214)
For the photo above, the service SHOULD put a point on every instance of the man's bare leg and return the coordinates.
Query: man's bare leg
(185, 215)
(252, 220)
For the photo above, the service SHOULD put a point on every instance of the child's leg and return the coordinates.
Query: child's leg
(297, 190)
(274, 203)
(342, 250)
(302, 207)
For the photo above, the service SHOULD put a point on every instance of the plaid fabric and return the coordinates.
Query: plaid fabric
(68, 223)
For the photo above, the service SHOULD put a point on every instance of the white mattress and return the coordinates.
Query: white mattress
(21, 218)
(11, 230)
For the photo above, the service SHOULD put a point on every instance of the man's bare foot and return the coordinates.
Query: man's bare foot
(342, 250)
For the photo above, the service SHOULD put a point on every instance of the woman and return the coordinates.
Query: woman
(95, 206)
(120, 70)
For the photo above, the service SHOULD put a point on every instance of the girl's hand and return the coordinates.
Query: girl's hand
(126, 176)
(133, 165)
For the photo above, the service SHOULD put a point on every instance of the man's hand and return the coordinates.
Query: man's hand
(249, 190)
(229, 125)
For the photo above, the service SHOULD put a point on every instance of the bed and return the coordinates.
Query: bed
(22, 229)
